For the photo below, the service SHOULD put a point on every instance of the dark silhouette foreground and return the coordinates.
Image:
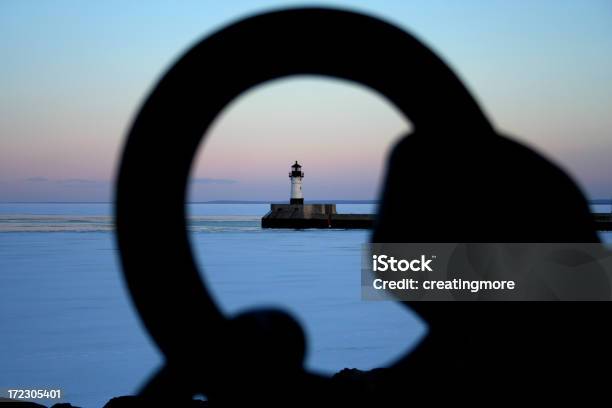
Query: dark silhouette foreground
(460, 174)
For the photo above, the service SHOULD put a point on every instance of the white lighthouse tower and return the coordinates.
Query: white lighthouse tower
(296, 176)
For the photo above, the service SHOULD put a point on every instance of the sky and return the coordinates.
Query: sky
(73, 75)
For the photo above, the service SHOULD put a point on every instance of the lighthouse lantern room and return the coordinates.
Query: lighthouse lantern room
(296, 176)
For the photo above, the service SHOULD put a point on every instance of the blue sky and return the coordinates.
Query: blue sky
(74, 73)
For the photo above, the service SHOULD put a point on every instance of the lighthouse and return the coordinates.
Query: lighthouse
(298, 215)
(296, 176)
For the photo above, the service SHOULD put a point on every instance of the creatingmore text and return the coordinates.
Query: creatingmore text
(454, 284)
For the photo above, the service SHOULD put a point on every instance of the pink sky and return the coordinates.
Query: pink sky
(73, 77)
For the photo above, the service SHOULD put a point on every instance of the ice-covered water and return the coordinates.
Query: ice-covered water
(66, 320)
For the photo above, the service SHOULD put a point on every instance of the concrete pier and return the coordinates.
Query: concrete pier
(313, 216)
(325, 216)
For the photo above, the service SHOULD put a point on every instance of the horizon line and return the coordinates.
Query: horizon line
(594, 201)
